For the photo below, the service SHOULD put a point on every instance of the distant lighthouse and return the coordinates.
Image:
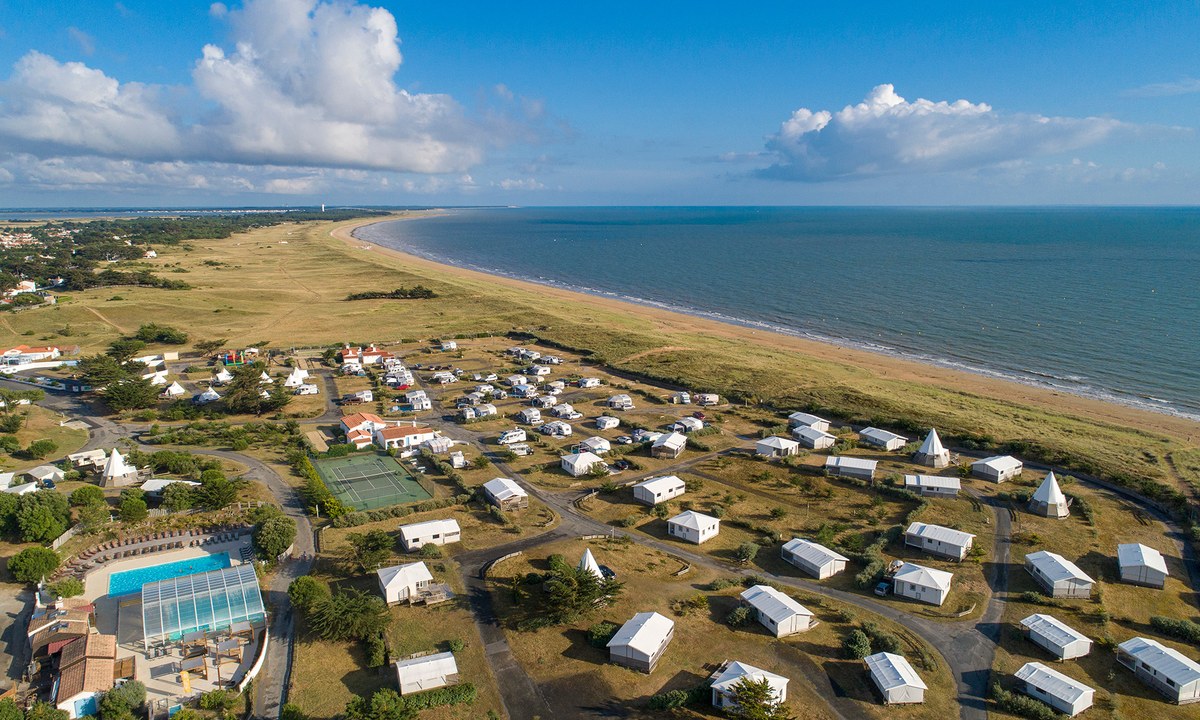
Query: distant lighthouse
(322, 207)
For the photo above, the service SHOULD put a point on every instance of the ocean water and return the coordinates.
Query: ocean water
(1103, 302)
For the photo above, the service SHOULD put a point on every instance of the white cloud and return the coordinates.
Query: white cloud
(85, 42)
(307, 83)
(1186, 86)
(886, 134)
(520, 184)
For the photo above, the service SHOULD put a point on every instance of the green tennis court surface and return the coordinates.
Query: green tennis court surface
(369, 481)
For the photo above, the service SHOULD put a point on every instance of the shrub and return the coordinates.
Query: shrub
(463, 694)
(67, 587)
(1178, 628)
(39, 449)
(429, 551)
(600, 633)
(747, 551)
(87, 495)
(123, 702)
(738, 616)
(857, 645)
(693, 605)
(32, 564)
(679, 698)
(720, 584)
(376, 651)
(1022, 705)
(881, 640)
(456, 645)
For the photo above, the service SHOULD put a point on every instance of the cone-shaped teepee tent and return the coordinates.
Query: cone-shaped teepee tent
(932, 453)
(588, 562)
(1049, 499)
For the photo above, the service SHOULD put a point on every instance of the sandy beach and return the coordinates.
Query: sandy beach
(883, 366)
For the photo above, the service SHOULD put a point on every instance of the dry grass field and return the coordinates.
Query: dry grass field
(42, 424)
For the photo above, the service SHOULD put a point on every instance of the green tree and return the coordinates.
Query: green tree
(246, 392)
(125, 349)
(46, 711)
(738, 616)
(132, 508)
(10, 711)
(32, 564)
(348, 615)
(42, 516)
(273, 535)
(165, 334)
(8, 513)
(100, 370)
(747, 551)
(67, 587)
(384, 704)
(219, 701)
(217, 492)
(571, 593)
(124, 702)
(178, 497)
(130, 393)
(305, 591)
(11, 423)
(368, 550)
(857, 645)
(91, 517)
(209, 347)
(86, 495)
(287, 712)
(39, 449)
(755, 700)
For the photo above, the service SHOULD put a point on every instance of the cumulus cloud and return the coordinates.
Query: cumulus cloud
(520, 184)
(307, 83)
(886, 135)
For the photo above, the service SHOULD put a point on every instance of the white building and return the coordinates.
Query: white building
(449, 345)
(998, 468)
(607, 422)
(403, 437)
(402, 583)
(896, 680)
(776, 447)
(922, 584)
(505, 494)
(642, 641)
(843, 466)
(1142, 565)
(458, 461)
(530, 416)
(670, 445)
(155, 486)
(208, 396)
(438, 445)
(659, 489)
(803, 419)
(1165, 669)
(620, 402)
(419, 400)
(1056, 637)
(813, 558)
(933, 485)
(427, 672)
(44, 473)
(1059, 691)
(778, 613)
(431, 532)
(931, 452)
(1048, 500)
(882, 439)
(939, 540)
(562, 410)
(693, 527)
(597, 445)
(811, 437)
(1059, 576)
(581, 463)
(732, 674)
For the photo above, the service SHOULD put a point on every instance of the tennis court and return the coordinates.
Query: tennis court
(369, 481)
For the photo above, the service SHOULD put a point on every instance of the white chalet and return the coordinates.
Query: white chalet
(882, 439)
(530, 416)
(896, 680)
(580, 463)
(642, 641)
(505, 494)
(778, 613)
(1048, 500)
(693, 527)
(659, 489)
(776, 447)
(922, 584)
(1165, 669)
(1056, 637)
(803, 419)
(939, 540)
(431, 532)
(402, 583)
(670, 445)
(998, 468)
(1059, 691)
(1059, 576)
(620, 402)
(426, 672)
(931, 452)
(933, 485)
(813, 558)
(733, 673)
(1142, 565)
(844, 466)
(811, 437)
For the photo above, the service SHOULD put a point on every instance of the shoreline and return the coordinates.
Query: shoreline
(884, 365)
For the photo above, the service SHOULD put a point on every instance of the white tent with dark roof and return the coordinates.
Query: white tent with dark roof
(1049, 500)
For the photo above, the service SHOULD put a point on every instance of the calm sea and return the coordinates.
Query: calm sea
(1100, 302)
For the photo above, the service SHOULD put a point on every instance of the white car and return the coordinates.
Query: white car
(307, 389)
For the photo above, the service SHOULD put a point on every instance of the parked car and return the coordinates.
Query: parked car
(883, 588)
(621, 465)
(699, 415)
(625, 440)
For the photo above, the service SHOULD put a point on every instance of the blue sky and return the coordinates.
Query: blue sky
(272, 102)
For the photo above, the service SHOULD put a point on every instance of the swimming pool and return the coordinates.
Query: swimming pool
(131, 581)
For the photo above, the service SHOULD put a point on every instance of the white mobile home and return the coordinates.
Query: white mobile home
(998, 468)
(687, 425)
(933, 485)
(939, 540)
(776, 447)
(778, 613)
(1056, 637)
(922, 584)
(431, 532)
(620, 402)
(642, 641)
(810, 437)
(803, 419)
(706, 399)
(581, 463)
(882, 439)
(530, 416)
(590, 382)
(426, 672)
(1165, 669)
(669, 446)
(693, 527)
(931, 452)
(1142, 565)
(595, 445)
(732, 674)
(843, 466)
(607, 422)
(814, 559)
(659, 489)
(505, 494)
(402, 583)
(1063, 693)
(1059, 576)
(895, 679)
(1048, 500)
(508, 437)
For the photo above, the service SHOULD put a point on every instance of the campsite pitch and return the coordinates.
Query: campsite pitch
(370, 481)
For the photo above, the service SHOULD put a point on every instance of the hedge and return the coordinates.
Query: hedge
(1177, 628)
(463, 694)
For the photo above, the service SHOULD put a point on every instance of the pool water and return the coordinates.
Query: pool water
(131, 581)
